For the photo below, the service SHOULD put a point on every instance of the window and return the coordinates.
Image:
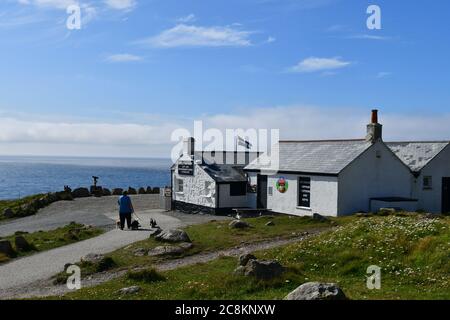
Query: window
(179, 185)
(304, 192)
(238, 189)
(427, 183)
(207, 190)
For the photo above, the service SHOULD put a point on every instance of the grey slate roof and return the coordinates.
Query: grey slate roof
(416, 155)
(225, 166)
(224, 173)
(325, 157)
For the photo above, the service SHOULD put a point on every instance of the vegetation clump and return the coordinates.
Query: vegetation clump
(146, 275)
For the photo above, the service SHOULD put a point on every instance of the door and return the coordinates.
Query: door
(445, 195)
(261, 200)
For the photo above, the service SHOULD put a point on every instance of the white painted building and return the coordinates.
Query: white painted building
(210, 182)
(342, 177)
(331, 177)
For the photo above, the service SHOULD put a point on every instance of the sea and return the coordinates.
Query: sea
(23, 176)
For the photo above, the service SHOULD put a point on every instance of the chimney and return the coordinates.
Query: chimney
(189, 147)
(374, 129)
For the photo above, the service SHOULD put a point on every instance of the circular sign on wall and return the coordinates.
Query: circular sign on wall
(282, 185)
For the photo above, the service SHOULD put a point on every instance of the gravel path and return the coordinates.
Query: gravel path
(18, 275)
(99, 212)
(46, 288)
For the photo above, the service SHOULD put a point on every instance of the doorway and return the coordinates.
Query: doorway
(445, 195)
(261, 199)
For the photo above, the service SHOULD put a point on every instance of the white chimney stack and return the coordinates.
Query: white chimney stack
(374, 129)
(189, 147)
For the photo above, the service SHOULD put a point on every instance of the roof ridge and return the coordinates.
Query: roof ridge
(327, 140)
(436, 141)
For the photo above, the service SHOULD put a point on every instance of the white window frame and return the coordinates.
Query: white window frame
(179, 183)
(429, 185)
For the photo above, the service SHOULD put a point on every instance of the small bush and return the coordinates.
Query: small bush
(105, 264)
(147, 275)
(20, 233)
(3, 258)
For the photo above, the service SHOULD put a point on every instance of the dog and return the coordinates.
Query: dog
(135, 225)
(153, 224)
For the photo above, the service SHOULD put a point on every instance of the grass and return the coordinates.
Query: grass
(217, 235)
(212, 236)
(146, 276)
(16, 204)
(412, 251)
(46, 240)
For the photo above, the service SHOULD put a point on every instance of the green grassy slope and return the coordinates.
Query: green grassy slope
(412, 251)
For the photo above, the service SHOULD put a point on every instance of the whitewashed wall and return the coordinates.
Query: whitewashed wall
(252, 197)
(439, 167)
(227, 201)
(324, 195)
(194, 191)
(372, 177)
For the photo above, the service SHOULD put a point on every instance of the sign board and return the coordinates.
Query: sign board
(186, 168)
(304, 195)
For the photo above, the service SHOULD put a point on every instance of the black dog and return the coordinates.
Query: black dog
(135, 225)
(153, 223)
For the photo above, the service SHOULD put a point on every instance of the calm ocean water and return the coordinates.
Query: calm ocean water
(22, 176)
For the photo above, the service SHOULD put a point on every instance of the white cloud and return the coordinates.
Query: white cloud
(186, 19)
(57, 4)
(136, 137)
(271, 39)
(196, 36)
(369, 37)
(314, 64)
(121, 4)
(123, 57)
(381, 75)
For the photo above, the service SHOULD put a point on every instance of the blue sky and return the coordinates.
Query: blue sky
(311, 68)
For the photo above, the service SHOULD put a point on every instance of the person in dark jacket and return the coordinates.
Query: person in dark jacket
(125, 210)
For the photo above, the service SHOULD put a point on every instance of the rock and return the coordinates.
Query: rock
(93, 258)
(245, 258)
(239, 224)
(149, 190)
(317, 291)
(132, 190)
(26, 210)
(130, 290)
(239, 271)
(186, 245)
(170, 250)
(154, 232)
(270, 224)
(155, 190)
(106, 192)
(433, 216)
(72, 235)
(386, 211)
(319, 217)
(174, 235)
(363, 215)
(22, 244)
(6, 248)
(96, 191)
(142, 191)
(264, 270)
(62, 196)
(8, 213)
(81, 193)
(117, 192)
(140, 252)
